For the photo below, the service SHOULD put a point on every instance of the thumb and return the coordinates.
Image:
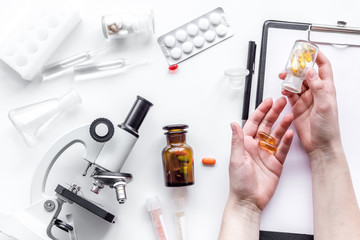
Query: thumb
(237, 142)
(316, 85)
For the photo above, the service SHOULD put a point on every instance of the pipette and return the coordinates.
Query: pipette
(94, 70)
(56, 68)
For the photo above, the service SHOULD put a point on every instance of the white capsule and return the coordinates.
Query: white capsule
(221, 30)
(199, 41)
(175, 53)
(187, 47)
(192, 29)
(210, 36)
(215, 18)
(123, 32)
(169, 41)
(204, 24)
(181, 35)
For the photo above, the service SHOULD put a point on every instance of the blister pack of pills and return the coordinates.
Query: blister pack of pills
(36, 34)
(195, 36)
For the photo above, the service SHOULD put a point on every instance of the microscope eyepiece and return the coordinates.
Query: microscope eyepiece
(136, 115)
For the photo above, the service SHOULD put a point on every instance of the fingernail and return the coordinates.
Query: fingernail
(233, 128)
(312, 73)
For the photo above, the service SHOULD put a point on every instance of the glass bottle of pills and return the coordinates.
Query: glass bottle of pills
(177, 157)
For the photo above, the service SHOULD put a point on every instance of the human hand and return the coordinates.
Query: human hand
(255, 172)
(315, 109)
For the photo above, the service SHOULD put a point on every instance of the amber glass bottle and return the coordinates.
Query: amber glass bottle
(177, 157)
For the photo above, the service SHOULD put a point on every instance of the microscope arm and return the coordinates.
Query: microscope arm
(78, 135)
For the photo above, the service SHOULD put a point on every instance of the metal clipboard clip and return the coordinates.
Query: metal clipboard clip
(339, 28)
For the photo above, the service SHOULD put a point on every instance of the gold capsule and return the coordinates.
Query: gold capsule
(267, 146)
(301, 60)
(308, 56)
(266, 137)
(295, 66)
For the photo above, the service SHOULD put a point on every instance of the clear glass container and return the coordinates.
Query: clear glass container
(177, 156)
(236, 77)
(302, 57)
(124, 25)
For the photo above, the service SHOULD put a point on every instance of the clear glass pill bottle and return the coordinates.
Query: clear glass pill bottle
(302, 57)
(124, 25)
(177, 157)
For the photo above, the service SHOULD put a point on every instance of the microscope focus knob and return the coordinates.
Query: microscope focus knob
(101, 130)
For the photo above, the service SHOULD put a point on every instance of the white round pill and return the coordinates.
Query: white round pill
(204, 24)
(192, 29)
(169, 41)
(215, 18)
(180, 35)
(187, 47)
(175, 53)
(210, 36)
(221, 30)
(199, 41)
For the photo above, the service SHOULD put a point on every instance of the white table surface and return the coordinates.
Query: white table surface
(197, 95)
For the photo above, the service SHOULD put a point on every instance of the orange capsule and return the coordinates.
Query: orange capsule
(267, 146)
(209, 161)
(266, 137)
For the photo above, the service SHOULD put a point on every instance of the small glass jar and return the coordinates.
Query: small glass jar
(124, 25)
(177, 156)
(302, 57)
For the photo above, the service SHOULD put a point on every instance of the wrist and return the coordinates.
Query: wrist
(247, 209)
(330, 157)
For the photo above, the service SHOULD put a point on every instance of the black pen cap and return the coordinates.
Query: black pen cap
(136, 115)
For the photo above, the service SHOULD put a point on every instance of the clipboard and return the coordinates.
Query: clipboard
(309, 28)
(291, 204)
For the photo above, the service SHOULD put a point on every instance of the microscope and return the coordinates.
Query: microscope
(107, 148)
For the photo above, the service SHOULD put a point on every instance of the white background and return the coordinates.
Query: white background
(197, 95)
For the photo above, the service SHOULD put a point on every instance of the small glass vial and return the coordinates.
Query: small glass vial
(302, 57)
(177, 157)
(126, 25)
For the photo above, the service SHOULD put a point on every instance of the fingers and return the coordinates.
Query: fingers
(282, 127)
(284, 146)
(273, 114)
(252, 124)
(237, 142)
(325, 70)
(282, 75)
(316, 85)
(293, 97)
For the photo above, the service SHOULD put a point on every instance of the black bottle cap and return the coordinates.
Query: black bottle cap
(136, 115)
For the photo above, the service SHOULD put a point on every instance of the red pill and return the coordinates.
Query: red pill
(173, 67)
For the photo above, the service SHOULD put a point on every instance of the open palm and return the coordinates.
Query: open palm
(255, 172)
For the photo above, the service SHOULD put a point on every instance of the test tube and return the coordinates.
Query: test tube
(154, 208)
(180, 219)
(302, 57)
